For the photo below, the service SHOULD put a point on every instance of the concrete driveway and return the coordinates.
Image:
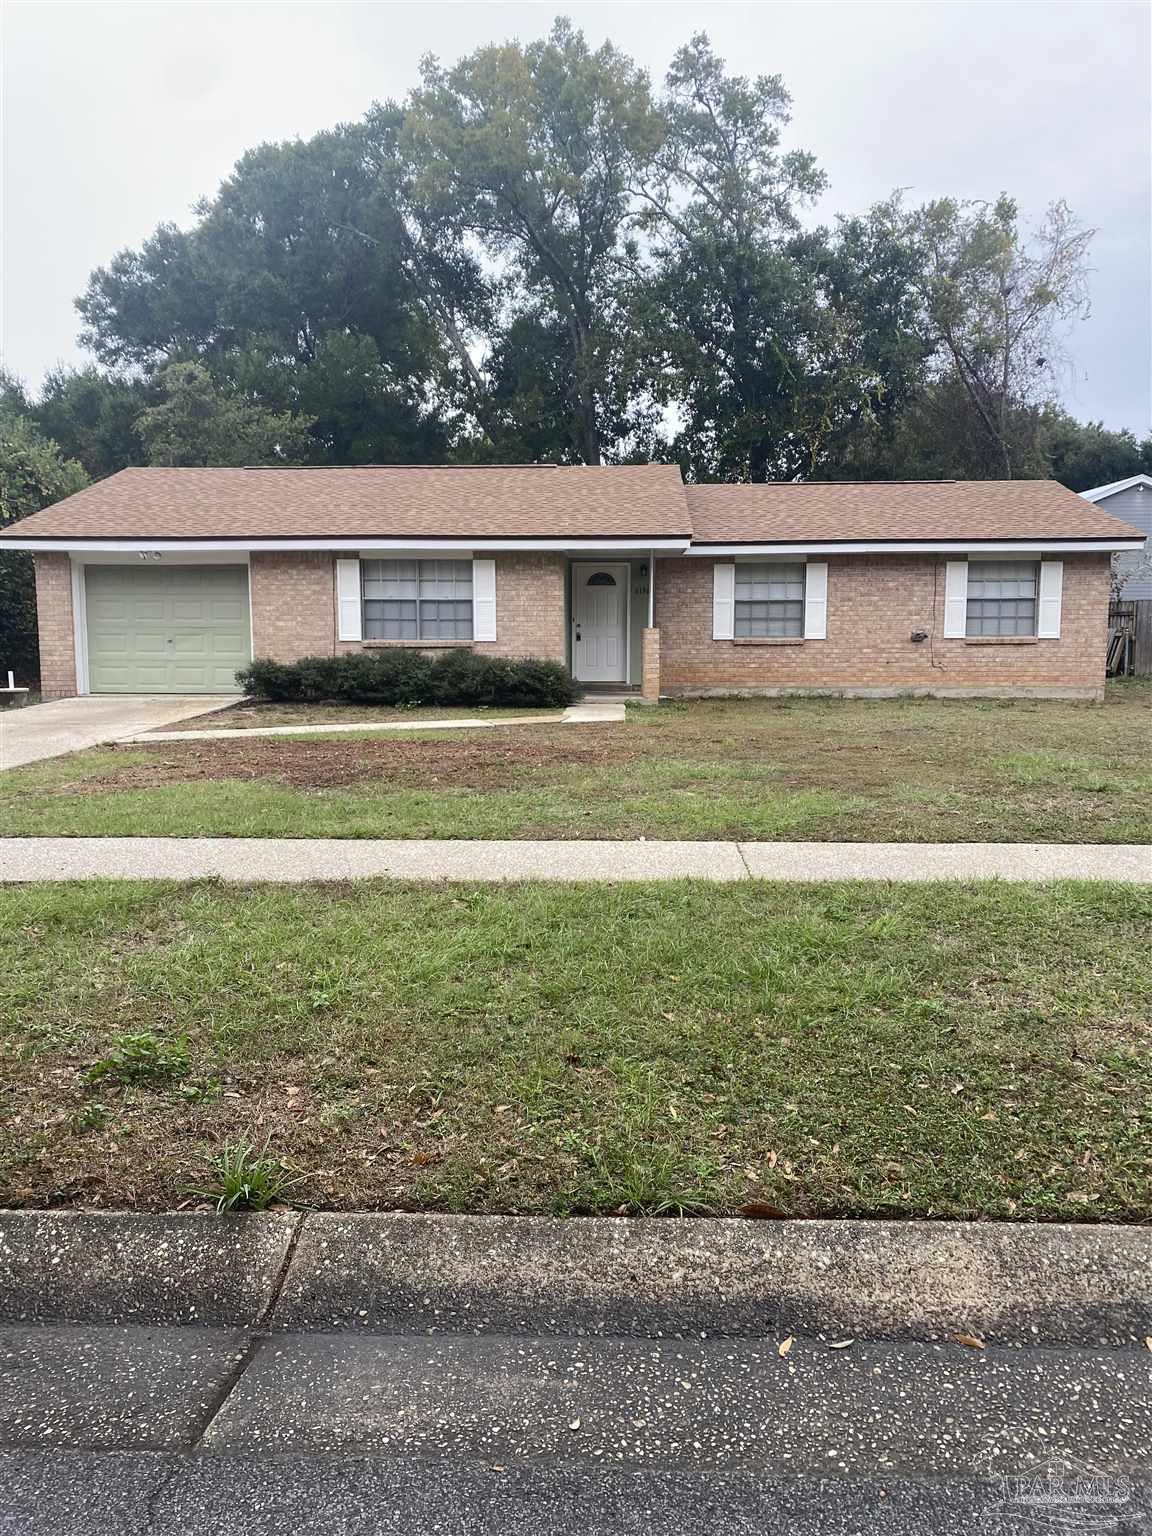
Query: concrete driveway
(68, 725)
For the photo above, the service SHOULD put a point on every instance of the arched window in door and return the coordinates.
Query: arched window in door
(601, 579)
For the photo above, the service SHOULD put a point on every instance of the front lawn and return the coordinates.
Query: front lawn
(865, 1050)
(798, 769)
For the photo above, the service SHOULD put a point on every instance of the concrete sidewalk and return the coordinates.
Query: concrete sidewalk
(296, 859)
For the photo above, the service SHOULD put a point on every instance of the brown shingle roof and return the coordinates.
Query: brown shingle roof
(389, 502)
(826, 512)
(521, 502)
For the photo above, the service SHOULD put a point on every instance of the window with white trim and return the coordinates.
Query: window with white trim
(1002, 597)
(769, 601)
(417, 599)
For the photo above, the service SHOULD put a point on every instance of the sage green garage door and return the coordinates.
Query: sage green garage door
(166, 628)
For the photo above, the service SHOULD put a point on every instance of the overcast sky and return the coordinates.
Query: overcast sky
(117, 117)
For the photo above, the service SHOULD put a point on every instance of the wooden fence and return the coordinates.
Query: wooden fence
(1130, 639)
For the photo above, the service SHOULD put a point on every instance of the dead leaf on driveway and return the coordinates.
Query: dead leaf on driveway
(760, 1210)
(969, 1340)
(784, 1346)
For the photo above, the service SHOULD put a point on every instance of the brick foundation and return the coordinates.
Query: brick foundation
(875, 602)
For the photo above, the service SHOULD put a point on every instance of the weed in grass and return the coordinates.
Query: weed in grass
(93, 1117)
(143, 1058)
(197, 1093)
(244, 1179)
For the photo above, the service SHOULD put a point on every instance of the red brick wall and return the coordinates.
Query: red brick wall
(293, 604)
(294, 607)
(530, 613)
(874, 604)
(54, 619)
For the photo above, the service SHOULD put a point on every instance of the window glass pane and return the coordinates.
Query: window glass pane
(446, 578)
(388, 578)
(389, 620)
(440, 620)
(769, 582)
(772, 619)
(417, 599)
(1002, 597)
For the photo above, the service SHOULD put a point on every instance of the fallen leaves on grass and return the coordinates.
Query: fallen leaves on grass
(760, 1210)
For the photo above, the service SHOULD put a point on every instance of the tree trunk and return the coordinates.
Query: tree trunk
(758, 461)
(585, 427)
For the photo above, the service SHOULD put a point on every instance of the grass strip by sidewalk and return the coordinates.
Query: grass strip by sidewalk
(839, 1049)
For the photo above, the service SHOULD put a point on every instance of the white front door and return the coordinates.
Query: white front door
(600, 623)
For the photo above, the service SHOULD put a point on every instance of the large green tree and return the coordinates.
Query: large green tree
(772, 342)
(535, 256)
(33, 474)
(197, 423)
(996, 300)
(535, 151)
(299, 251)
(91, 415)
(1083, 455)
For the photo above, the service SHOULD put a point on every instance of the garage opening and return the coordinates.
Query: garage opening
(166, 628)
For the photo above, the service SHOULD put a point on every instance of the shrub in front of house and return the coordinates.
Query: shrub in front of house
(406, 678)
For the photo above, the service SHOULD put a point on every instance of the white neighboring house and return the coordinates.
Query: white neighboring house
(1131, 500)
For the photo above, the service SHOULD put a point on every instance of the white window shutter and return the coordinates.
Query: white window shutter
(349, 625)
(1051, 592)
(816, 600)
(956, 600)
(483, 599)
(723, 599)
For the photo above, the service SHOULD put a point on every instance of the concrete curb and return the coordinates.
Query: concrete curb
(280, 860)
(412, 1274)
(916, 1280)
(124, 1267)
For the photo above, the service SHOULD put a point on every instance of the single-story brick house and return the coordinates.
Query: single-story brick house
(168, 580)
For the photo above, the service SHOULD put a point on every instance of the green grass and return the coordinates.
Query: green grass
(798, 769)
(866, 1050)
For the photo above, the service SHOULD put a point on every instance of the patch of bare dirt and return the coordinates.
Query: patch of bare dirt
(493, 761)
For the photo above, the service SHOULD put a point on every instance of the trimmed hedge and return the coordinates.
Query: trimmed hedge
(410, 678)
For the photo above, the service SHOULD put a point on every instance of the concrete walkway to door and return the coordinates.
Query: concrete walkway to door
(40, 731)
(592, 712)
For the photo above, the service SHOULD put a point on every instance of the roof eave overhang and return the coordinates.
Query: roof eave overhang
(921, 546)
(1103, 492)
(667, 544)
(661, 544)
